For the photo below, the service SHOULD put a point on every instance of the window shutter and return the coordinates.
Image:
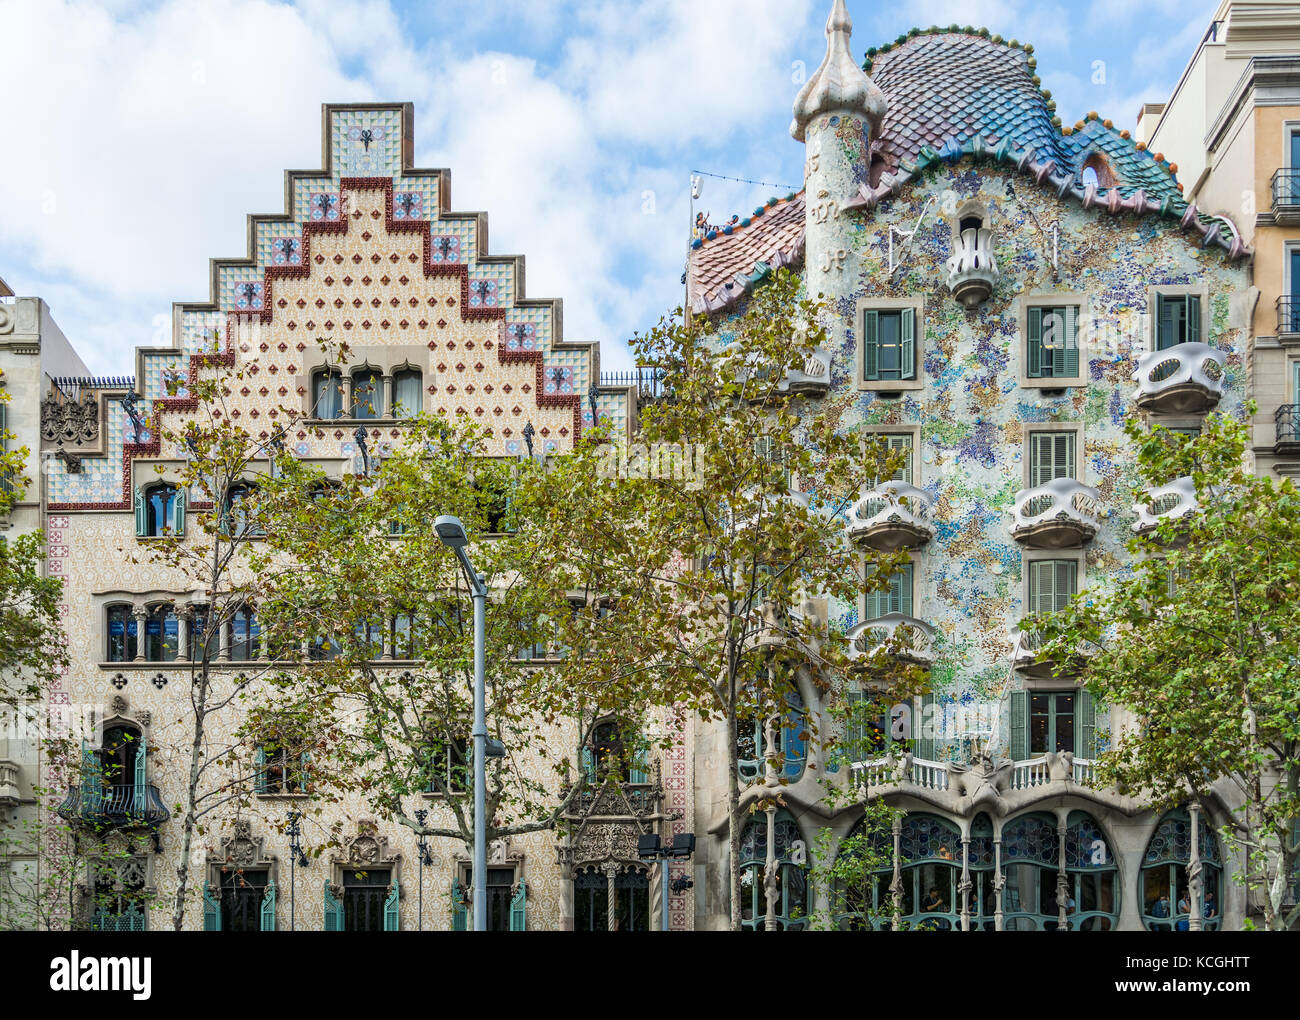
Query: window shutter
(923, 745)
(895, 593)
(268, 908)
(588, 764)
(1165, 335)
(871, 345)
(519, 908)
(640, 769)
(1086, 734)
(392, 915)
(92, 792)
(904, 473)
(140, 776)
(178, 513)
(1040, 586)
(1071, 341)
(1063, 455)
(333, 910)
(211, 910)
(907, 343)
(1057, 316)
(141, 514)
(904, 581)
(1193, 318)
(1064, 587)
(259, 773)
(304, 763)
(459, 915)
(1019, 744)
(1034, 343)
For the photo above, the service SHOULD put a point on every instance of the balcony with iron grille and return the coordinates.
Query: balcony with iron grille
(1171, 502)
(892, 516)
(114, 806)
(1183, 379)
(972, 270)
(1288, 318)
(903, 637)
(1287, 420)
(1286, 196)
(1059, 514)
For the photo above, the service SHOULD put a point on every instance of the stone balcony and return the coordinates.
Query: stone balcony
(972, 269)
(1171, 502)
(10, 793)
(809, 375)
(983, 779)
(904, 637)
(1057, 515)
(892, 516)
(1183, 379)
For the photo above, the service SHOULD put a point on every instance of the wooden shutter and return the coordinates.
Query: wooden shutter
(907, 343)
(1193, 318)
(1040, 586)
(211, 910)
(333, 910)
(1086, 731)
(871, 345)
(140, 789)
(902, 442)
(903, 582)
(268, 908)
(459, 915)
(1034, 343)
(392, 913)
(1071, 340)
(923, 745)
(519, 908)
(1064, 583)
(178, 513)
(141, 514)
(1063, 455)
(1019, 743)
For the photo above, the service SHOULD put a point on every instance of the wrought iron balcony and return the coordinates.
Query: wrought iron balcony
(972, 268)
(1286, 195)
(1288, 315)
(1183, 379)
(647, 381)
(904, 637)
(121, 806)
(1287, 419)
(1168, 503)
(892, 516)
(1057, 515)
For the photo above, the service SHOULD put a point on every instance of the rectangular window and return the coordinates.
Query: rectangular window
(897, 598)
(1178, 320)
(500, 893)
(1051, 584)
(445, 758)
(1052, 346)
(243, 895)
(895, 442)
(1051, 456)
(1051, 722)
(365, 894)
(889, 344)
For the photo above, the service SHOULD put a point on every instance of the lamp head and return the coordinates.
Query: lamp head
(451, 532)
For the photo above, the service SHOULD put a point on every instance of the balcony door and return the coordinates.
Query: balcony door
(1291, 318)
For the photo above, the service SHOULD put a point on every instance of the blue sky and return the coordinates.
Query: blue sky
(138, 136)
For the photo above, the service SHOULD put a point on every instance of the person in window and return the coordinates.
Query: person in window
(1211, 910)
(1184, 907)
(1160, 908)
(934, 905)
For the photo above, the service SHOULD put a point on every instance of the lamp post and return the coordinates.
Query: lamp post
(426, 858)
(296, 857)
(452, 534)
(649, 847)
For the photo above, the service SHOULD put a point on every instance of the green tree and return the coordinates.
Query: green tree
(860, 896)
(1200, 641)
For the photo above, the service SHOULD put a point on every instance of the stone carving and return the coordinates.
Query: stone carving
(367, 847)
(118, 704)
(70, 422)
(242, 849)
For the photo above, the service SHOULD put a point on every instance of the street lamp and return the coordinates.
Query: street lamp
(426, 858)
(649, 847)
(452, 534)
(296, 857)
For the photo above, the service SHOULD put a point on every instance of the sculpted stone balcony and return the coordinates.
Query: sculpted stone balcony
(972, 268)
(1183, 379)
(1028, 660)
(1057, 515)
(904, 637)
(892, 516)
(809, 375)
(1171, 502)
(905, 773)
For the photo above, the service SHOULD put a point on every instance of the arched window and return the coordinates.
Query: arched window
(792, 753)
(201, 638)
(983, 896)
(367, 398)
(245, 635)
(1092, 874)
(327, 393)
(930, 855)
(1031, 863)
(1089, 177)
(1166, 889)
(408, 393)
(122, 636)
(616, 753)
(862, 896)
(789, 908)
(1096, 170)
(162, 634)
(159, 510)
(239, 516)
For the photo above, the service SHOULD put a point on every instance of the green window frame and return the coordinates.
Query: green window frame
(889, 344)
(1051, 456)
(895, 441)
(1178, 320)
(1035, 728)
(1052, 342)
(1052, 583)
(897, 598)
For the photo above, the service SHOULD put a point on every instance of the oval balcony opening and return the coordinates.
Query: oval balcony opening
(1182, 379)
(892, 516)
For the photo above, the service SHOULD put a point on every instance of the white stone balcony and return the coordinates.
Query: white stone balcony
(1171, 502)
(892, 516)
(901, 771)
(1183, 379)
(1028, 659)
(810, 374)
(1049, 768)
(904, 637)
(972, 268)
(1059, 514)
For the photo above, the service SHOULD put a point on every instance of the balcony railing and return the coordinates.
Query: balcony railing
(972, 268)
(117, 806)
(903, 637)
(1168, 503)
(935, 775)
(1286, 194)
(892, 516)
(919, 772)
(1287, 419)
(1288, 315)
(1055, 515)
(648, 383)
(1031, 772)
(1185, 378)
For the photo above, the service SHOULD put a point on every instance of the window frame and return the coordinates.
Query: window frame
(1052, 303)
(1049, 428)
(889, 432)
(917, 306)
(1154, 295)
